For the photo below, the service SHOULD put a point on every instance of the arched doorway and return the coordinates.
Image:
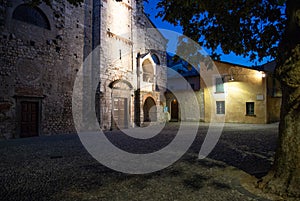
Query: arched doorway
(174, 110)
(150, 110)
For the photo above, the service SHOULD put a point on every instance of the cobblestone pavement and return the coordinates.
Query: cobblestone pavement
(59, 168)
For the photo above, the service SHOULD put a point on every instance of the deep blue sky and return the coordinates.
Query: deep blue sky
(150, 8)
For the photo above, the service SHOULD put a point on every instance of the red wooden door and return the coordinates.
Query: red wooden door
(29, 119)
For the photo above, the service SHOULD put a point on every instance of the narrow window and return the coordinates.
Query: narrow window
(219, 85)
(250, 108)
(220, 107)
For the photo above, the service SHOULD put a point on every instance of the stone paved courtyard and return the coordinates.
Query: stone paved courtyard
(59, 168)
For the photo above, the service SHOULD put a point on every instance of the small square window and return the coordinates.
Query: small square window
(250, 108)
(220, 107)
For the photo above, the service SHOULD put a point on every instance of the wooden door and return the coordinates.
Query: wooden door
(120, 113)
(29, 119)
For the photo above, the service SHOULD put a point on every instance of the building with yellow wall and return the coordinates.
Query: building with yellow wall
(234, 93)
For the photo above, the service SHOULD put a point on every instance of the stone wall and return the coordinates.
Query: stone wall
(188, 103)
(40, 65)
(121, 42)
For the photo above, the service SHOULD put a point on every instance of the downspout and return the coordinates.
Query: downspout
(131, 25)
(112, 110)
(137, 103)
(131, 110)
(264, 79)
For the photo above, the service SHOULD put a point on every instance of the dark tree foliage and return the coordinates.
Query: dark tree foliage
(255, 28)
(245, 27)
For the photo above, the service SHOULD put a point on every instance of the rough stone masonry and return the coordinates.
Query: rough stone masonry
(43, 48)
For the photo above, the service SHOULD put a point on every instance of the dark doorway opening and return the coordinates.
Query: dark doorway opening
(150, 110)
(174, 110)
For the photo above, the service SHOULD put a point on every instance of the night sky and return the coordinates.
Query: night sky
(150, 8)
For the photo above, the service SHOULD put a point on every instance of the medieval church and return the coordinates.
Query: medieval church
(43, 48)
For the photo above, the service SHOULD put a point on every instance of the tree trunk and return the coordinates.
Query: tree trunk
(284, 178)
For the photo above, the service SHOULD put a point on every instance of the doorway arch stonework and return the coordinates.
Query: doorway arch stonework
(120, 104)
(150, 110)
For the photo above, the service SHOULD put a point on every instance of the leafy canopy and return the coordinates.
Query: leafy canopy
(246, 27)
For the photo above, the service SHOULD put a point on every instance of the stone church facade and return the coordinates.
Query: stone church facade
(43, 48)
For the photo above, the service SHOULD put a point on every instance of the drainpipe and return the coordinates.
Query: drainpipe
(112, 110)
(137, 103)
(264, 80)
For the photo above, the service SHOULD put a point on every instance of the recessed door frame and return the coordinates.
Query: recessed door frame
(36, 100)
(174, 106)
(121, 89)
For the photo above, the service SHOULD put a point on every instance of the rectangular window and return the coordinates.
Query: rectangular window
(219, 85)
(220, 107)
(250, 108)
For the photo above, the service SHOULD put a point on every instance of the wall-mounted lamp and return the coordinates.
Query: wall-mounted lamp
(229, 78)
(261, 74)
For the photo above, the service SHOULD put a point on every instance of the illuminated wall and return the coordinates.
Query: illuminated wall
(245, 95)
(124, 36)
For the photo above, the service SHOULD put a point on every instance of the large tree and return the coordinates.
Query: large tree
(255, 28)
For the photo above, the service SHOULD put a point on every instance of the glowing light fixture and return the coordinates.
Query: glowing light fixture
(228, 77)
(260, 74)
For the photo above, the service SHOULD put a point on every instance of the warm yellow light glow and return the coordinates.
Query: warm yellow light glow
(261, 74)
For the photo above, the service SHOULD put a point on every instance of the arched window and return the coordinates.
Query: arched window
(155, 59)
(31, 15)
(148, 71)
